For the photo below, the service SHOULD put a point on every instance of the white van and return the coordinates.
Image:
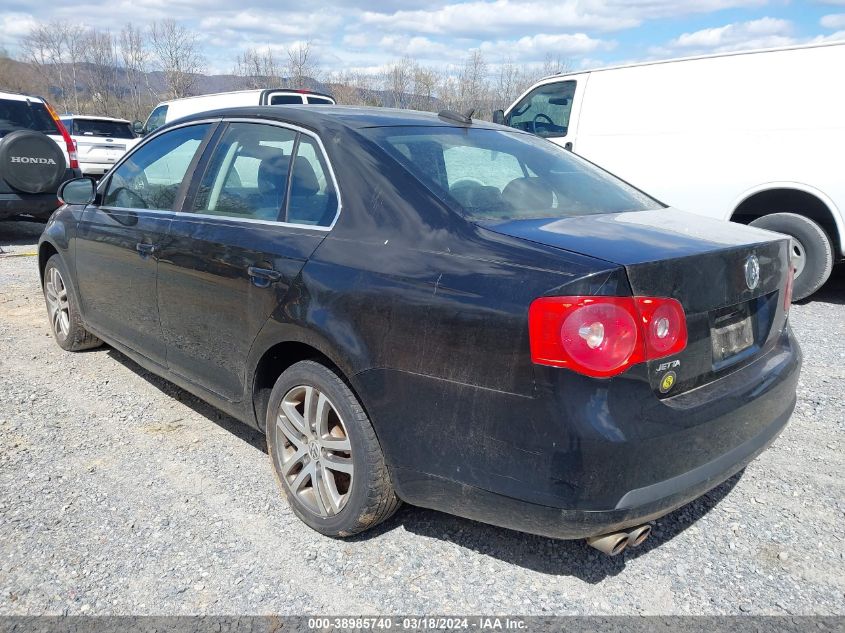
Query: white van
(755, 137)
(168, 111)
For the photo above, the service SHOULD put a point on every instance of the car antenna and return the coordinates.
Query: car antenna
(457, 116)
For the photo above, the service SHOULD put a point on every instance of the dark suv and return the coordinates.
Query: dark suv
(36, 156)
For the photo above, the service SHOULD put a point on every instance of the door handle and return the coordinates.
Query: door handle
(145, 249)
(263, 277)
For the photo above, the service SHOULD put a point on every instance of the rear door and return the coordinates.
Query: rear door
(235, 249)
(120, 236)
(550, 110)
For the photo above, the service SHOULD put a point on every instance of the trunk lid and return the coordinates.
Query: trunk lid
(699, 261)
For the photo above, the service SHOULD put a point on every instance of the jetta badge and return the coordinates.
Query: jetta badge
(752, 272)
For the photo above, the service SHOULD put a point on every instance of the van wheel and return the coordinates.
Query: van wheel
(65, 322)
(812, 252)
(325, 453)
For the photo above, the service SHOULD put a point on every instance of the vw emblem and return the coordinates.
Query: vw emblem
(752, 272)
(314, 451)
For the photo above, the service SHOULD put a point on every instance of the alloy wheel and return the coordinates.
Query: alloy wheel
(314, 450)
(57, 302)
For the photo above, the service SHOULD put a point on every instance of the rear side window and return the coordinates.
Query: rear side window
(248, 174)
(313, 199)
(319, 100)
(501, 175)
(94, 127)
(285, 100)
(157, 118)
(545, 110)
(25, 115)
(151, 176)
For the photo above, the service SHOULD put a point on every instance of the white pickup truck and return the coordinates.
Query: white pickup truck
(755, 137)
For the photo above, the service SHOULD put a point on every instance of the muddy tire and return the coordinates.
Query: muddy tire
(62, 310)
(325, 453)
(811, 250)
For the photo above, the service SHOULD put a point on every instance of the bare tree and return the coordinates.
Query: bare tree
(302, 67)
(100, 59)
(44, 48)
(473, 89)
(135, 57)
(398, 82)
(257, 69)
(555, 65)
(425, 88)
(176, 51)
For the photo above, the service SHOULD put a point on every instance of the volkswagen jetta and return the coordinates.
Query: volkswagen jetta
(433, 309)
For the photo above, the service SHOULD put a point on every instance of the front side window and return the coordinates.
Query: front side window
(494, 175)
(156, 119)
(248, 174)
(151, 176)
(545, 110)
(313, 199)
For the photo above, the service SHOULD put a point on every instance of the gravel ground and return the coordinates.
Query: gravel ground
(122, 494)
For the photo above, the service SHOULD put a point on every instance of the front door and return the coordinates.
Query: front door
(120, 235)
(550, 110)
(236, 248)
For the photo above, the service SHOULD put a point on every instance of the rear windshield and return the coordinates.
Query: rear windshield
(25, 115)
(93, 127)
(499, 175)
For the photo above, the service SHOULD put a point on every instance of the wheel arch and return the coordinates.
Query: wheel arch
(792, 197)
(272, 357)
(45, 251)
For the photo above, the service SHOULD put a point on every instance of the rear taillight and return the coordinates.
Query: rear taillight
(69, 144)
(787, 290)
(603, 336)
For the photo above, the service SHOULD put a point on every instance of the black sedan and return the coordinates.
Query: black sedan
(437, 310)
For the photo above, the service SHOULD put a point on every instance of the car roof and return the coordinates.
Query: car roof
(354, 117)
(15, 96)
(92, 117)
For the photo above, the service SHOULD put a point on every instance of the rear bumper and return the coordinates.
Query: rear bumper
(577, 461)
(39, 206)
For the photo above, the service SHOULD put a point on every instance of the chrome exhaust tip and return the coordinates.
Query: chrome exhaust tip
(638, 535)
(610, 544)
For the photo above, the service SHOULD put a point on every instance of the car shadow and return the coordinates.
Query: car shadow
(251, 436)
(545, 555)
(19, 233)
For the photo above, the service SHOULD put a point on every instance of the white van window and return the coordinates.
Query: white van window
(545, 110)
(156, 119)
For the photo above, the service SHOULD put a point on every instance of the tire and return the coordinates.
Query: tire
(62, 310)
(353, 490)
(812, 250)
(31, 162)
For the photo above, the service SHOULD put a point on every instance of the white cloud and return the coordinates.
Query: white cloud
(535, 47)
(500, 16)
(833, 21)
(13, 25)
(762, 33)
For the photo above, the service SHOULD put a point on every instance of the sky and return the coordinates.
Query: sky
(368, 34)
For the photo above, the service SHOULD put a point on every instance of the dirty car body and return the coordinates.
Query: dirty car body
(419, 292)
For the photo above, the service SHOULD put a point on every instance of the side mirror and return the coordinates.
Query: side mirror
(499, 117)
(138, 128)
(77, 191)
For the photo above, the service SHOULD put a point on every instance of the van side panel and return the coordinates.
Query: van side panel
(698, 134)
